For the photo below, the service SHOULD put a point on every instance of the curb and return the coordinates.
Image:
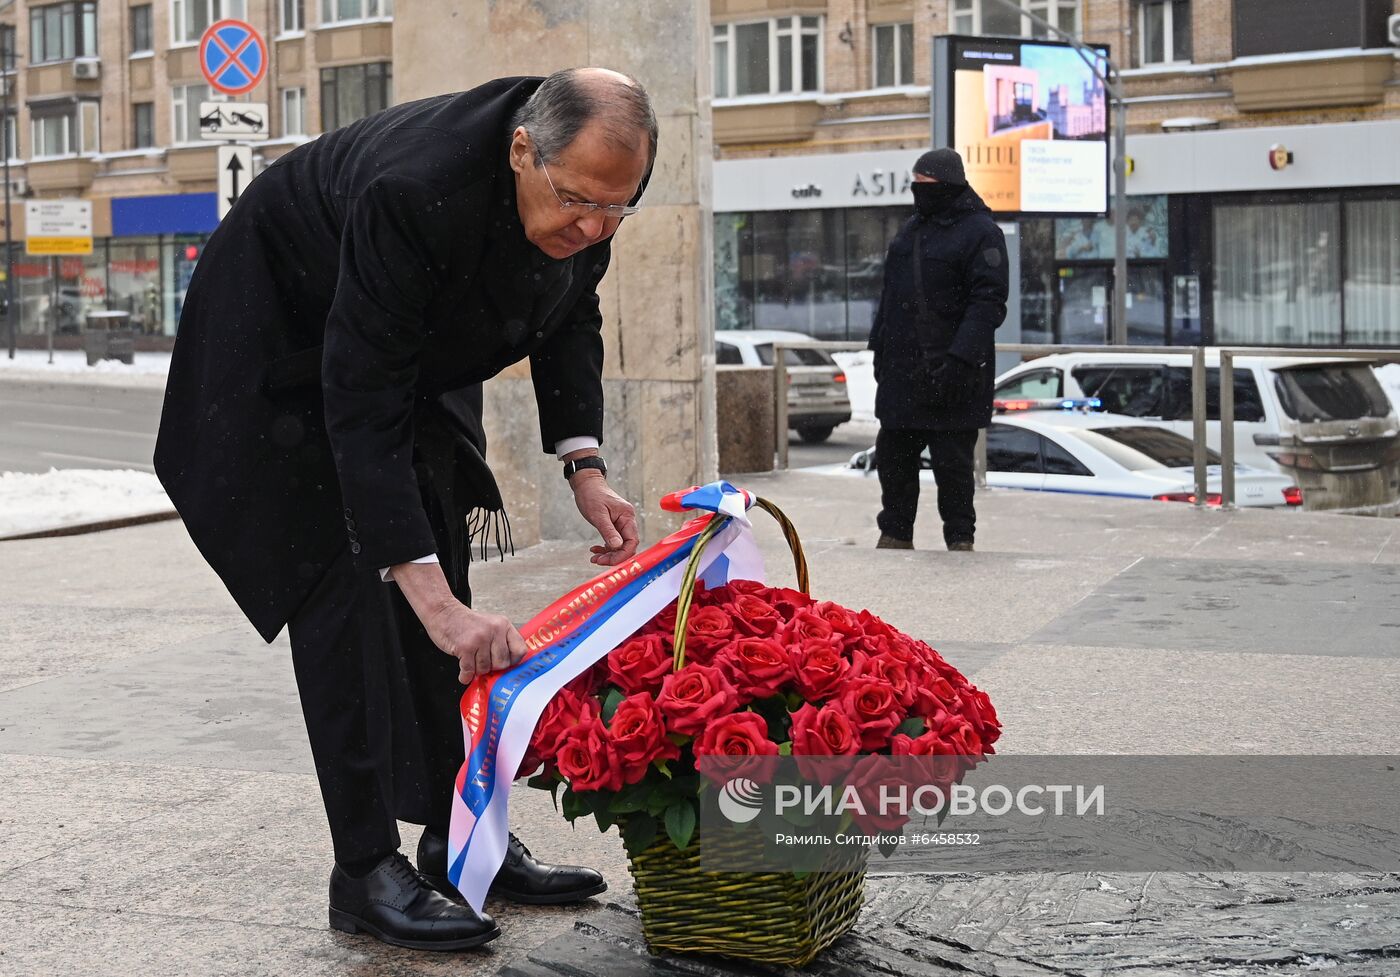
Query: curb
(95, 527)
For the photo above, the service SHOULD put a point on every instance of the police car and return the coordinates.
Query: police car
(1063, 446)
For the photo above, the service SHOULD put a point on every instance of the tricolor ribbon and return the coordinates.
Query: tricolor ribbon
(500, 710)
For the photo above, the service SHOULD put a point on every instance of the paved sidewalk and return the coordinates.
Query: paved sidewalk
(158, 815)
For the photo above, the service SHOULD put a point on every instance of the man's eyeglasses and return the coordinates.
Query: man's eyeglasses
(582, 209)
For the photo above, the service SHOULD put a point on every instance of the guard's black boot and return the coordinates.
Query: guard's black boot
(394, 904)
(888, 542)
(521, 878)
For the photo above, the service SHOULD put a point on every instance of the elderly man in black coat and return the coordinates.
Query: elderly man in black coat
(321, 436)
(944, 297)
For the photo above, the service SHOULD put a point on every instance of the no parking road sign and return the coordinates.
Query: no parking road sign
(233, 57)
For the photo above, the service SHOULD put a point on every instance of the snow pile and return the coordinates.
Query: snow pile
(70, 365)
(75, 496)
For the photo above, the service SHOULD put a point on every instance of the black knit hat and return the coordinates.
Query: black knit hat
(944, 165)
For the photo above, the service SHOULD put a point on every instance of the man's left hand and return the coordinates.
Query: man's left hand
(609, 513)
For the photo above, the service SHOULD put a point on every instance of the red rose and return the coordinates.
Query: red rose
(561, 714)
(737, 739)
(842, 621)
(587, 758)
(664, 623)
(819, 668)
(925, 744)
(983, 716)
(638, 734)
(824, 731)
(707, 631)
(694, 696)
(756, 667)
(878, 779)
(725, 593)
(873, 709)
(788, 602)
(640, 664)
(933, 694)
(899, 674)
(754, 617)
(806, 625)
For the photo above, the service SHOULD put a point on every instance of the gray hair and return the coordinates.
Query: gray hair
(568, 100)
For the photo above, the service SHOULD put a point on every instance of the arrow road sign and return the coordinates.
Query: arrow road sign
(233, 120)
(233, 57)
(235, 171)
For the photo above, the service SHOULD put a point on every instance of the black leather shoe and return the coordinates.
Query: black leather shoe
(394, 904)
(521, 878)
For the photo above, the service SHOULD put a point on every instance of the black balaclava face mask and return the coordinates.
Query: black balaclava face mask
(932, 198)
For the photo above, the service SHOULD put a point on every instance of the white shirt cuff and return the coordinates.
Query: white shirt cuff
(387, 573)
(562, 448)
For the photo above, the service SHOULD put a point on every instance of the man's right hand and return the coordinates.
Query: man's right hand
(480, 642)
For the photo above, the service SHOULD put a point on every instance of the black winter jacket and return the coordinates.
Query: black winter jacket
(964, 263)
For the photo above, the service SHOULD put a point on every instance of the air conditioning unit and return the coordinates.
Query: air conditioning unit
(87, 69)
(1392, 29)
(19, 187)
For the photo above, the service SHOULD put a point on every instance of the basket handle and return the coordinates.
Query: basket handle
(692, 569)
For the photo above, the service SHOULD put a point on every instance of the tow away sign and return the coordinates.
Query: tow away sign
(233, 120)
(235, 172)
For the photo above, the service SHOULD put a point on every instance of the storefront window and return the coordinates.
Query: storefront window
(1277, 274)
(733, 271)
(868, 235)
(179, 255)
(800, 272)
(1373, 272)
(134, 283)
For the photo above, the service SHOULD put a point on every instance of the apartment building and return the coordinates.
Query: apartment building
(103, 104)
(1263, 136)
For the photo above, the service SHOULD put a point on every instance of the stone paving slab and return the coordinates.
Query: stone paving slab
(1230, 606)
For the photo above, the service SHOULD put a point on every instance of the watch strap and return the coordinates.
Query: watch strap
(572, 468)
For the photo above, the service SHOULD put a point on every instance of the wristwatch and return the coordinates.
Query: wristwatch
(572, 468)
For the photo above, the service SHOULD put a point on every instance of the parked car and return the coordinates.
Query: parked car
(818, 399)
(1327, 423)
(1085, 453)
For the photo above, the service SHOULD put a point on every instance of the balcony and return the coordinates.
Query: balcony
(1316, 79)
(60, 78)
(779, 120)
(68, 176)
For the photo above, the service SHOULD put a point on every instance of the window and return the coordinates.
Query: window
(1144, 448)
(337, 11)
(189, 19)
(184, 109)
(65, 130)
(892, 55)
(353, 92)
(294, 111)
(1013, 449)
(1373, 272)
(1335, 392)
(993, 17)
(768, 57)
(141, 29)
(7, 46)
(727, 354)
(143, 125)
(794, 357)
(12, 136)
(293, 16)
(1164, 32)
(1035, 385)
(62, 31)
(1058, 460)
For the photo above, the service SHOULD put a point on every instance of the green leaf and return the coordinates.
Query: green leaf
(639, 833)
(604, 819)
(610, 703)
(784, 749)
(680, 823)
(663, 767)
(680, 739)
(914, 726)
(571, 805)
(795, 815)
(631, 798)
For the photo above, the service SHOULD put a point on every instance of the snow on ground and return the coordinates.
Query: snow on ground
(70, 366)
(75, 496)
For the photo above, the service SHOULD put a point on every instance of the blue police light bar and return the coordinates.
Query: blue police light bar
(1048, 403)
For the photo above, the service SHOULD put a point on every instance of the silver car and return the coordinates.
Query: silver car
(817, 396)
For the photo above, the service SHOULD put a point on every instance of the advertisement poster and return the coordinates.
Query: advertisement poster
(1091, 238)
(1031, 122)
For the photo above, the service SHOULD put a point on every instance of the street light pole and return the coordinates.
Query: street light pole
(7, 57)
(1112, 80)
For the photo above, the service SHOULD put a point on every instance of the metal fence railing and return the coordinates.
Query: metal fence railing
(1198, 394)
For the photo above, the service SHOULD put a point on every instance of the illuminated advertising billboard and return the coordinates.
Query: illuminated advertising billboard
(1030, 119)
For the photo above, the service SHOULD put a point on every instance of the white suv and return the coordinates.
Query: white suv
(818, 398)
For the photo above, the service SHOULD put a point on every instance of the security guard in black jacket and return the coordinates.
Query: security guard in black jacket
(944, 297)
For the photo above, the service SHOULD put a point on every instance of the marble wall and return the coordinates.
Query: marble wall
(656, 297)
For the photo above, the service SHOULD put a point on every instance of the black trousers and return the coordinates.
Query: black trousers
(897, 457)
(381, 701)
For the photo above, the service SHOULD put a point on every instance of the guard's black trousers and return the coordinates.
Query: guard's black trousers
(897, 457)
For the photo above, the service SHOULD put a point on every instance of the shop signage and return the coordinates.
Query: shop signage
(831, 181)
(1279, 156)
(1030, 119)
(810, 190)
(57, 227)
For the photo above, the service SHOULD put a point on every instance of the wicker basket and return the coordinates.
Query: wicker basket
(770, 917)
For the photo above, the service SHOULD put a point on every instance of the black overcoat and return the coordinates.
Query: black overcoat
(964, 264)
(364, 283)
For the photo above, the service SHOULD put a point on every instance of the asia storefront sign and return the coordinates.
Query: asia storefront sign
(1030, 119)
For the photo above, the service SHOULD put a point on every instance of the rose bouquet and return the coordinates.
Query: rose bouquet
(761, 672)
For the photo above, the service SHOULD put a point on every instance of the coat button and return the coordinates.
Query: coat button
(349, 524)
(355, 548)
(352, 535)
(349, 513)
